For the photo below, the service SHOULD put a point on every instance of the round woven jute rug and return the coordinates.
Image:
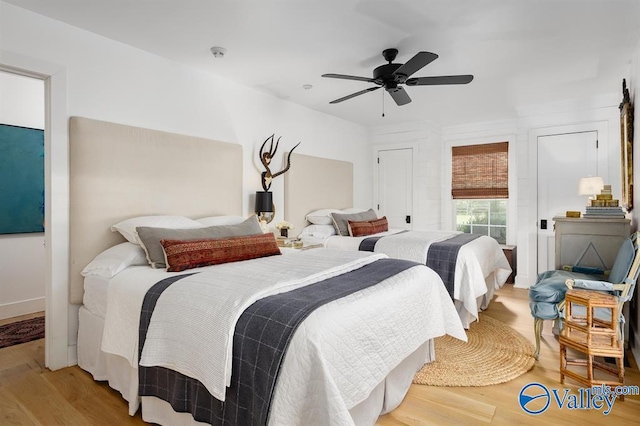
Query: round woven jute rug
(494, 353)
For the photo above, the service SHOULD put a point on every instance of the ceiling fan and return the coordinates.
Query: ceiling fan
(391, 76)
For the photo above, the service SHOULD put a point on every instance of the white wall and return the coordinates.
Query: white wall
(432, 180)
(425, 140)
(107, 80)
(22, 256)
(600, 114)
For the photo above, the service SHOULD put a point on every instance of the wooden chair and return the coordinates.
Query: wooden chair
(546, 297)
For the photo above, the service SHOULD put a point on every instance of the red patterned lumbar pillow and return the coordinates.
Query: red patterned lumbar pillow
(369, 227)
(380, 225)
(181, 255)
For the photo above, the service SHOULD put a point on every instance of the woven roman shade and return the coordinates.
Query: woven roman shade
(480, 171)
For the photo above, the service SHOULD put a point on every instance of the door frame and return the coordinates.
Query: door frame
(413, 146)
(602, 170)
(603, 130)
(59, 353)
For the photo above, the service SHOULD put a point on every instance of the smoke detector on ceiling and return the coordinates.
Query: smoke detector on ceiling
(218, 52)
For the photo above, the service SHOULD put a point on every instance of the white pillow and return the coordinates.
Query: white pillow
(128, 227)
(322, 217)
(220, 220)
(320, 231)
(113, 260)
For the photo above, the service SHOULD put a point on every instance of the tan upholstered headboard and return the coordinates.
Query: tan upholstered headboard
(315, 183)
(117, 172)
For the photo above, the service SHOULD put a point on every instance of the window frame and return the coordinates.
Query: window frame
(460, 136)
(488, 225)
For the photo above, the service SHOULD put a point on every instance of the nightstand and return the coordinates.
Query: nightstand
(294, 244)
(510, 253)
(289, 243)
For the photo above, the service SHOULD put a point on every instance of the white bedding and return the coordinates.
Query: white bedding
(481, 266)
(95, 294)
(339, 354)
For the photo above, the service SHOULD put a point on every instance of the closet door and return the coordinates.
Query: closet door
(562, 160)
(395, 187)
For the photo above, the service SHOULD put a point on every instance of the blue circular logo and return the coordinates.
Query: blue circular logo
(533, 396)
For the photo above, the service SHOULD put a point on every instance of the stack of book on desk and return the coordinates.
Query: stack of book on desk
(608, 212)
(605, 206)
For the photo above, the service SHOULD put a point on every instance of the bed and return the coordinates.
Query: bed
(481, 267)
(349, 360)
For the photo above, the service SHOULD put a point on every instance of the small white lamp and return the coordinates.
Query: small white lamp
(590, 186)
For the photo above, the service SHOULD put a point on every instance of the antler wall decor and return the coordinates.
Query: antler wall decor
(265, 158)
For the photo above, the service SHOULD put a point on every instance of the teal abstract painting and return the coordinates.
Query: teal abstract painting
(21, 180)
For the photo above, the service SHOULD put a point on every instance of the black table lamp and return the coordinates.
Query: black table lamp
(264, 206)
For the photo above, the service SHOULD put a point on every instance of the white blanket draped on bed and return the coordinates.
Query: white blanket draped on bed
(479, 261)
(182, 339)
(208, 311)
(336, 360)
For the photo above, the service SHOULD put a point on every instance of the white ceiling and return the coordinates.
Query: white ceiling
(521, 52)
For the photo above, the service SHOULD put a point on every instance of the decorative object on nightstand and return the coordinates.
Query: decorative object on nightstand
(289, 243)
(284, 228)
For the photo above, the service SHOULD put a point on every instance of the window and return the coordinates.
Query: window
(479, 186)
(484, 217)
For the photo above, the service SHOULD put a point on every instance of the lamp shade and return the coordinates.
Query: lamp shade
(590, 185)
(264, 202)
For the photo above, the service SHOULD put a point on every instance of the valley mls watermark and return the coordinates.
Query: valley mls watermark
(535, 398)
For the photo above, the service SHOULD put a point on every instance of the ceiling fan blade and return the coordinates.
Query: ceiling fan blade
(443, 79)
(400, 96)
(353, 95)
(420, 60)
(349, 77)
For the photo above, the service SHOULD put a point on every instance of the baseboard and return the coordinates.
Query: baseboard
(23, 307)
(522, 281)
(72, 355)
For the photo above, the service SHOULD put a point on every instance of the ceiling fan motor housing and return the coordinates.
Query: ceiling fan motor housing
(384, 74)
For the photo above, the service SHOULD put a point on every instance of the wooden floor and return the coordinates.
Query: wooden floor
(32, 395)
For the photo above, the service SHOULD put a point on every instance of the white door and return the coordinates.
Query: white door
(562, 160)
(395, 187)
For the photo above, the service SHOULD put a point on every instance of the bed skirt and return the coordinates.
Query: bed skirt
(117, 371)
